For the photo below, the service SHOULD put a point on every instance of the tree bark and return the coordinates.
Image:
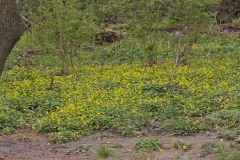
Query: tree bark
(11, 29)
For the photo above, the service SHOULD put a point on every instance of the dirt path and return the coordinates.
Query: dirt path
(13, 147)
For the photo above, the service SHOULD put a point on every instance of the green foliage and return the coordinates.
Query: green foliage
(181, 145)
(117, 118)
(219, 149)
(198, 18)
(39, 103)
(236, 22)
(82, 148)
(113, 86)
(11, 118)
(228, 118)
(121, 52)
(228, 134)
(8, 130)
(61, 23)
(233, 155)
(64, 136)
(148, 144)
(63, 28)
(128, 99)
(47, 60)
(22, 138)
(104, 152)
(184, 126)
(59, 27)
(210, 147)
(115, 145)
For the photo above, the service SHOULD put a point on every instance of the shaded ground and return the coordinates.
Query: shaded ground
(36, 147)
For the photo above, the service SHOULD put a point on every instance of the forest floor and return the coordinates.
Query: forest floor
(28, 145)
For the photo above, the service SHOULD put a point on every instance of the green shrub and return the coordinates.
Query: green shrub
(11, 119)
(184, 126)
(181, 145)
(64, 136)
(104, 152)
(210, 147)
(233, 155)
(115, 145)
(8, 130)
(22, 138)
(227, 134)
(47, 127)
(82, 148)
(148, 144)
(227, 118)
(41, 104)
(219, 149)
(124, 51)
(108, 119)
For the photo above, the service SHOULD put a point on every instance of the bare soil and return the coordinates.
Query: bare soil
(37, 147)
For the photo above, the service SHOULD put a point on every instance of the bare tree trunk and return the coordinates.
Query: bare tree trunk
(11, 29)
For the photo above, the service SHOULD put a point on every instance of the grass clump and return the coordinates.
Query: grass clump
(219, 149)
(210, 147)
(181, 145)
(22, 138)
(228, 134)
(104, 152)
(82, 148)
(65, 136)
(183, 125)
(224, 118)
(114, 145)
(148, 144)
(233, 155)
(8, 130)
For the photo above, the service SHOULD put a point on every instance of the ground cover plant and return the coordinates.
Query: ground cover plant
(148, 144)
(100, 97)
(167, 70)
(128, 97)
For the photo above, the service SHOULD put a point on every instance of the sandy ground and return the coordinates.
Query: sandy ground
(39, 148)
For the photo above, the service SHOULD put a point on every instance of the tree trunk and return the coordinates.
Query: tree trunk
(11, 29)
